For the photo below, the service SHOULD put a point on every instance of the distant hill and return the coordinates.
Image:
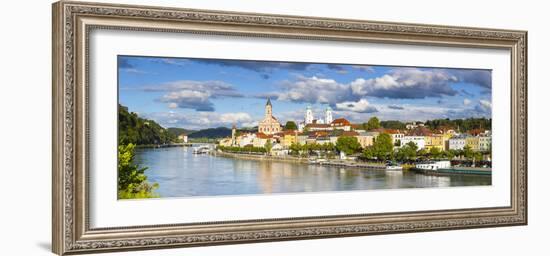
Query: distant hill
(140, 131)
(178, 131)
(212, 133)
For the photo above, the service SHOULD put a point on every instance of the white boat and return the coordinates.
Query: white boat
(434, 165)
(201, 150)
(394, 168)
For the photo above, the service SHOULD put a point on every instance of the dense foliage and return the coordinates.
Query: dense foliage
(348, 145)
(381, 149)
(290, 125)
(220, 132)
(407, 152)
(325, 149)
(393, 124)
(132, 181)
(139, 131)
(372, 124)
(460, 124)
(179, 131)
(245, 149)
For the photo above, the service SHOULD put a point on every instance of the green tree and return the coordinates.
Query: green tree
(348, 145)
(448, 154)
(393, 124)
(435, 152)
(295, 148)
(268, 145)
(369, 152)
(132, 181)
(407, 152)
(383, 146)
(423, 152)
(291, 125)
(139, 131)
(373, 123)
(467, 152)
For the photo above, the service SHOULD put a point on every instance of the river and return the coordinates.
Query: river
(180, 173)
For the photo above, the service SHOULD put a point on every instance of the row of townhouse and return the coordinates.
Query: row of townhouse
(482, 142)
(329, 133)
(444, 140)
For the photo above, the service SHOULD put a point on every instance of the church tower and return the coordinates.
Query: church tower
(233, 135)
(328, 115)
(309, 115)
(270, 124)
(268, 109)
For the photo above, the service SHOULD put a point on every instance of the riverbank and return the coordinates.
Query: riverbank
(456, 171)
(301, 160)
(165, 145)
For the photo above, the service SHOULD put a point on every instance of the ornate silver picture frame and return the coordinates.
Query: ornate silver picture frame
(74, 21)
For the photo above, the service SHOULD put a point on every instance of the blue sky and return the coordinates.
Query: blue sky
(206, 93)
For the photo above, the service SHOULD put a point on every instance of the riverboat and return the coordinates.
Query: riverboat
(392, 166)
(201, 150)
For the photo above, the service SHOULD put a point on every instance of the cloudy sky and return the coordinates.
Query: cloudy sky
(205, 93)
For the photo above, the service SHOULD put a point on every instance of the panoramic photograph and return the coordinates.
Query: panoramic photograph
(217, 127)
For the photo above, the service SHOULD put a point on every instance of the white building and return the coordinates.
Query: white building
(434, 165)
(183, 138)
(309, 115)
(485, 143)
(328, 115)
(246, 139)
(420, 141)
(278, 150)
(301, 126)
(457, 143)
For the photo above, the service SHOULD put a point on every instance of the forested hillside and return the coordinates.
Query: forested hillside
(139, 131)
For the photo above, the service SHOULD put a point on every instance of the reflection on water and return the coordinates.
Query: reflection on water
(181, 173)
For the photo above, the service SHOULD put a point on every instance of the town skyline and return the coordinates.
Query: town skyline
(205, 93)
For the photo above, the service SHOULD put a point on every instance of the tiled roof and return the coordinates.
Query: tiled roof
(420, 131)
(262, 135)
(341, 121)
(317, 125)
(350, 133)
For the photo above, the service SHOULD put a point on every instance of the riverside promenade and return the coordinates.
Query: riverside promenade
(302, 160)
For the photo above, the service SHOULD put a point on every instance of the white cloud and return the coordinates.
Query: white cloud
(407, 83)
(400, 83)
(195, 95)
(313, 90)
(364, 68)
(467, 102)
(201, 120)
(485, 104)
(361, 106)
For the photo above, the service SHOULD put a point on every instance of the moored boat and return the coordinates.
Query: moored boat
(392, 166)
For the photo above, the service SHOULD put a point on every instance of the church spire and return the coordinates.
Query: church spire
(268, 102)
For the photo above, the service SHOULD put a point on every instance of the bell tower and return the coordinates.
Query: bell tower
(309, 115)
(268, 109)
(328, 115)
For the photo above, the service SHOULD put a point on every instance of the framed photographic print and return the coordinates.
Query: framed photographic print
(179, 127)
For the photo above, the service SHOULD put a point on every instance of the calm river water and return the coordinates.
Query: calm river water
(181, 173)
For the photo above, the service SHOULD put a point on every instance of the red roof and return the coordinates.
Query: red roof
(476, 132)
(289, 132)
(350, 133)
(341, 122)
(262, 135)
(420, 131)
(320, 133)
(317, 125)
(392, 131)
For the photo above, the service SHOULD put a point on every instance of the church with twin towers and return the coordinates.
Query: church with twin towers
(270, 124)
